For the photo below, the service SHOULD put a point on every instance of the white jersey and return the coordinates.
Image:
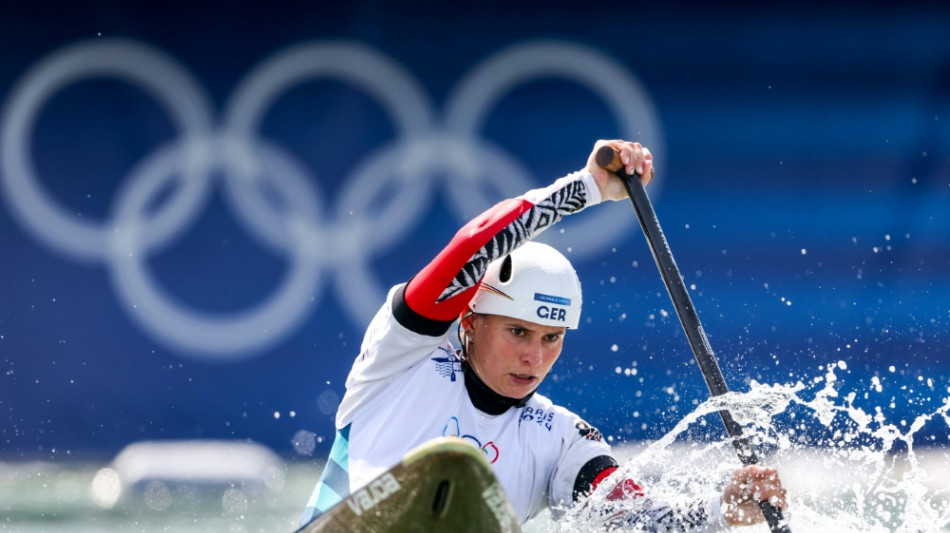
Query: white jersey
(406, 388)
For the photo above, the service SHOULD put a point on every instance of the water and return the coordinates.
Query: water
(43, 497)
(848, 468)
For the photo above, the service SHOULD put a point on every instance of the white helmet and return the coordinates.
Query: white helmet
(535, 283)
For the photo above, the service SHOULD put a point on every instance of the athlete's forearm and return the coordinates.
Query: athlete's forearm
(627, 507)
(444, 287)
(645, 514)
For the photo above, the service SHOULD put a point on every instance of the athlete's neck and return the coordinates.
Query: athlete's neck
(484, 398)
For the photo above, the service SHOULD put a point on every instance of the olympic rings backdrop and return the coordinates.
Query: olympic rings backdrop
(201, 211)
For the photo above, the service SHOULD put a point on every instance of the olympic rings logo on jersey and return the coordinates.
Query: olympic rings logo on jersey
(411, 165)
(453, 429)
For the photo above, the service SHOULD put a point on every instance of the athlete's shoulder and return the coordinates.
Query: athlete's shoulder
(540, 410)
(544, 413)
(445, 362)
(540, 401)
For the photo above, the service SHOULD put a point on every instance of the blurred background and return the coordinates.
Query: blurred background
(203, 205)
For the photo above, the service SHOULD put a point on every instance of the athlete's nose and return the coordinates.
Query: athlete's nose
(533, 354)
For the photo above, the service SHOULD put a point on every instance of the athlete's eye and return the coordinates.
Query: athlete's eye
(552, 337)
(518, 331)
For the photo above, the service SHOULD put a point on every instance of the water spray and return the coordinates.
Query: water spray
(609, 159)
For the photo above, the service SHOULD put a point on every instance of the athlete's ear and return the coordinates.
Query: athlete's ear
(468, 323)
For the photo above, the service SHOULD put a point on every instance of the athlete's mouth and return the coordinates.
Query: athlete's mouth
(522, 379)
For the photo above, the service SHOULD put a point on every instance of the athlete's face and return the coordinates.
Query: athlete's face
(512, 356)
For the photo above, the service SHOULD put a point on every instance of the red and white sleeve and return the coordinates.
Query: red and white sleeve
(436, 296)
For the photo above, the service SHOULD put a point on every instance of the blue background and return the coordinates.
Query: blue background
(804, 189)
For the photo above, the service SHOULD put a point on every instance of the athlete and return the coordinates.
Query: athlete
(514, 300)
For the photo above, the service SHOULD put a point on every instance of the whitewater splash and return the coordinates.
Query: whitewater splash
(847, 468)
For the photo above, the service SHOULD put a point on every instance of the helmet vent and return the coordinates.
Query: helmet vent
(504, 274)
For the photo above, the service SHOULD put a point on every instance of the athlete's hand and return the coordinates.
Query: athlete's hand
(635, 157)
(749, 486)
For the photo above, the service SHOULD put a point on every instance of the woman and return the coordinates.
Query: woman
(514, 301)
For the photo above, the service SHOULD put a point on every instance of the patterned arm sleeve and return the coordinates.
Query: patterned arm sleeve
(627, 508)
(436, 296)
(647, 514)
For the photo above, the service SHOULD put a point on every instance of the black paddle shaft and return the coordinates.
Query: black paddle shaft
(687, 315)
